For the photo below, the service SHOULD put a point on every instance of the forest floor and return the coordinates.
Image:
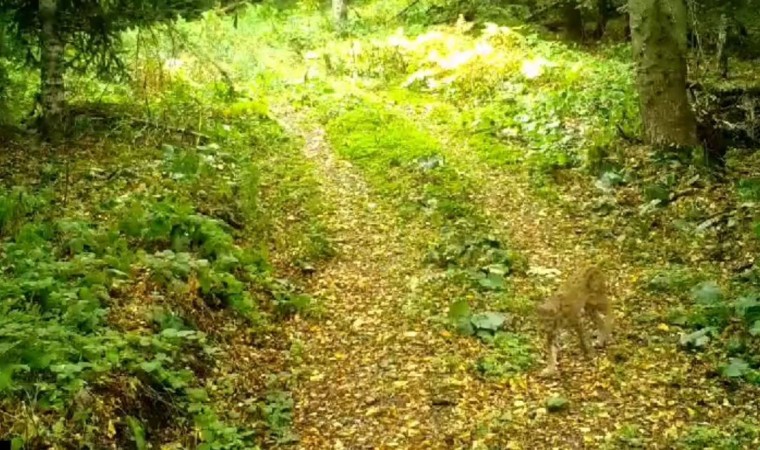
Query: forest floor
(423, 226)
(375, 375)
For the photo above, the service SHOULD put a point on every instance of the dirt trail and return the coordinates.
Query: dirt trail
(366, 377)
(372, 378)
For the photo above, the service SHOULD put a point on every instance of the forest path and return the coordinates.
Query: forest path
(366, 376)
(370, 376)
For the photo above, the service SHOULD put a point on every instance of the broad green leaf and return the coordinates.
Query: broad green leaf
(6, 377)
(150, 366)
(464, 326)
(697, 339)
(557, 404)
(492, 281)
(459, 309)
(490, 321)
(17, 443)
(608, 180)
(754, 330)
(736, 368)
(169, 332)
(498, 269)
(485, 335)
(707, 293)
(197, 394)
(300, 302)
(748, 308)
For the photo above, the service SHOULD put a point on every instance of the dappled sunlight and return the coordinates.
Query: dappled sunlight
(535, 68)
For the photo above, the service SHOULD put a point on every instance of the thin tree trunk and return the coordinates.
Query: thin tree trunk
(52, 94)
(603, 8)
(339, 13)
(573, 20)
(658, 33)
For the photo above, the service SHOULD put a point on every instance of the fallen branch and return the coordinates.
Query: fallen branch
(173, 129)
(99, 114)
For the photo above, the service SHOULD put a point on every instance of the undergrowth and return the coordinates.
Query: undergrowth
(121, 278)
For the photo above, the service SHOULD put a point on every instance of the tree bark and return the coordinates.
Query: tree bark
(603, 8)
(573, 20)
(658, 34)
(339, 13)
(52, 93)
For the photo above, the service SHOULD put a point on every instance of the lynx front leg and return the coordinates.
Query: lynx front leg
(583, 338)
(603, 322)
(552, 351)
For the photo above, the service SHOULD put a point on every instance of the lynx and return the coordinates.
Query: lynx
(584, 292)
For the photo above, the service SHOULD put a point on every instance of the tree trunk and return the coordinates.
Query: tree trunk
(603, 10)
(573, 20)
(52, 94)
(339, 13)
(658, 34)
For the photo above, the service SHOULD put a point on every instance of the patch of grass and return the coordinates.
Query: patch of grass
(740, 435)
(509, 354)
(521, 96)
(401, 161)
(675, 280)
(627, 436)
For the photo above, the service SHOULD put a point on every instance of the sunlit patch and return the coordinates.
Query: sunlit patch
(534, 68)
(398, 39)
(428, 37)
(457, 59)
(462, 25)
(356, 48)
(420, 75)
(312, 55)
(173, 64)
(449, 79)
(484, 49)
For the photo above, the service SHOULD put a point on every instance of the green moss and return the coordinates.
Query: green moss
(401, 161)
